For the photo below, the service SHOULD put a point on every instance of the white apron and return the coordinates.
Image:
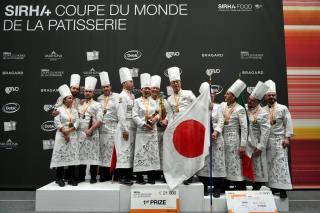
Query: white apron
(146, 152)
(65, 153)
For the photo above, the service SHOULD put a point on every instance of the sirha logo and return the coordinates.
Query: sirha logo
(132, 55)
(48, 126)
(10, 107)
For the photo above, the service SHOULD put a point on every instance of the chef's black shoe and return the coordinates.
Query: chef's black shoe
(60, 182)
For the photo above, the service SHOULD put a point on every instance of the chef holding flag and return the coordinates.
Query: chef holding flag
(109, 102)
(90, 120)
(186, 138)
(235, 132)
(259, 130)
(179, 101)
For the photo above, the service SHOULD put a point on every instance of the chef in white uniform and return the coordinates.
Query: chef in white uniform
(179, 100)
(235, 132)
(74, 89)
(277, 149)
(126, 128)
(259, 130)
(218, 159)
(146, 151)
(161, 109)
(90, 113)
(66, 148)
(109, 102)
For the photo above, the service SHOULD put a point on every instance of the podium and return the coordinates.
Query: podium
(108, 197)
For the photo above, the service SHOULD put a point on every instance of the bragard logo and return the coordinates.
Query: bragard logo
(132, 55)
(212, 55)
(10, 108)
(48, 126)
(12, 72)
(48, 90)
(252, 72)
(53, 56)
(8, 90)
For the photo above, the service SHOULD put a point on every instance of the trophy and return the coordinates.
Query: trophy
(162, 109)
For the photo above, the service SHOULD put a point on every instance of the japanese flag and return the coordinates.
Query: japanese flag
(186, 141)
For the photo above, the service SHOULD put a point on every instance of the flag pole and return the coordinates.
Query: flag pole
(210, 148)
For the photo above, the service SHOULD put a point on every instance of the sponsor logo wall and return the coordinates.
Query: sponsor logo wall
(44, 42)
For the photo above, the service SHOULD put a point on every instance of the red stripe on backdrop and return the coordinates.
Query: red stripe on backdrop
(302, 47)
(305, 162)
(301, 17)
(304, 96)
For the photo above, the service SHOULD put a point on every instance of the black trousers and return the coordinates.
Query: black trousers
(104, 173)
(125, 173)
(93, 172)
(68, 173)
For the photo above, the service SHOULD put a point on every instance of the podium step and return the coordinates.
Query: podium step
(108, 197)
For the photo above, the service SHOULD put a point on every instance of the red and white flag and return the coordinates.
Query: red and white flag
(186, 141)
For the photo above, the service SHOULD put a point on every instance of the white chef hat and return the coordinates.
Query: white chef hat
(204, 86)
(271, 85)
(90, 83)
(145, 80)
(64, 91)
(260, 90)
(104, 78)
(75, 80)
(125, 74)
(237, 87)
(174, 74)
(155, 81)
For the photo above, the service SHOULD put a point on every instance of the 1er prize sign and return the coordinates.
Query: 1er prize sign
(154, 200)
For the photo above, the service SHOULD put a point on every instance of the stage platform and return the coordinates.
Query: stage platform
(108, 197)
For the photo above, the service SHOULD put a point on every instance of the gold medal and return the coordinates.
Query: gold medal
(177, 108)
(227, 113)
(104, 111)
(273, 122)
(255, 121)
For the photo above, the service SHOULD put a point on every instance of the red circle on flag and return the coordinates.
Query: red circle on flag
(188, 138)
